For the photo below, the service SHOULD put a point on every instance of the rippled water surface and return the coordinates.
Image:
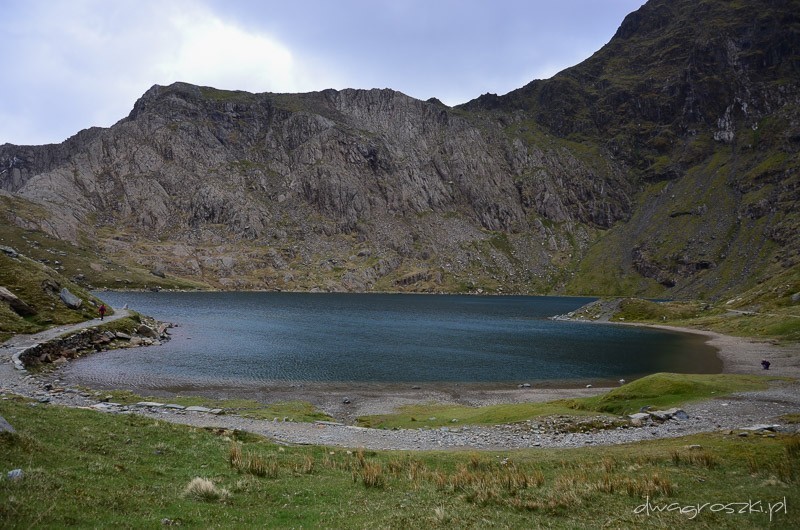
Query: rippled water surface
(230, 339)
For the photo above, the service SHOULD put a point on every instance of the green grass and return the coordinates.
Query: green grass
(665, 390)
(437, 415)
(299, 411)
(638, 310)
(780, 325)
(662, 390)
(88, 469)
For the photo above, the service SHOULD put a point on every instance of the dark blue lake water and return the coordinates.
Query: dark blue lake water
(229, 339)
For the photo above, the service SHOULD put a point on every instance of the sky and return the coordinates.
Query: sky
(73, 64)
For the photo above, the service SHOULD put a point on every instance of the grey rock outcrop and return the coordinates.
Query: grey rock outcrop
(69, 299)
(9, 251)
(146, 331)
(5, 426)
(15, 303)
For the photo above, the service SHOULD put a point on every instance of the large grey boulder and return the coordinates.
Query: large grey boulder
(70, 300)
(16, 305)
(146, 331)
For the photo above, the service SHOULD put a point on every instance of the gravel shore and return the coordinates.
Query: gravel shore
(736, 412)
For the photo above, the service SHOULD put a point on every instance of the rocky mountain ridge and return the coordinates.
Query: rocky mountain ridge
(663, 165)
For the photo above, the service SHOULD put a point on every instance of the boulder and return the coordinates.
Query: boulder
(761, 427)
(69, 299)
(149, 404)
(664, 415)
(680, 415)
(50, 286)
(639, 418)
(146, 331)
(16, 305)
(8, 251)
(5, 426)
(796, 298)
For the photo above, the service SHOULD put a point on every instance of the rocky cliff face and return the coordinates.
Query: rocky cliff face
(672, 145)
(336, 190)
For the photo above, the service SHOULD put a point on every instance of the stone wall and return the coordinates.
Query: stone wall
(90, 340)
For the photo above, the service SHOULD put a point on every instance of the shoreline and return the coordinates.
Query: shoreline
(739, 355)
(743, 355)
(346, 402)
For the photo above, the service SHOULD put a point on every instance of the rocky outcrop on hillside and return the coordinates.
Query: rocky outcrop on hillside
(701, 101)
(670, 150)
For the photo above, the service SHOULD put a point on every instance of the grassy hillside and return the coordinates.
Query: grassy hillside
(83, 264)
(39, 286)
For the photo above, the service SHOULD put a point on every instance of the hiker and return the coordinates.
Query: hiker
(765, 364)
(102, 310)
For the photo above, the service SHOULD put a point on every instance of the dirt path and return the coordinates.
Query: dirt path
(26, 341)
(19, 381)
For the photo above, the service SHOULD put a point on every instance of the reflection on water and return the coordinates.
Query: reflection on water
(242, 339)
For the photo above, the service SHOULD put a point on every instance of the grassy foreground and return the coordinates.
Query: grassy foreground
(133, 472)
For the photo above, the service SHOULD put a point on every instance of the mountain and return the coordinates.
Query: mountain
(663, 165)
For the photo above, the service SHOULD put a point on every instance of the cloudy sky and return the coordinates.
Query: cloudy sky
(73, 64)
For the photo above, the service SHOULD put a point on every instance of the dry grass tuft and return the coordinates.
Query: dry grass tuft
(306, 467)
(694, 458)
(462, 479)
(478, 462)
(372, 475)
(235, 455)
(792, 446)
(252, 463)
(204, 490)
(753, 465)
(439, 479)
(648, 486)
(785, 470)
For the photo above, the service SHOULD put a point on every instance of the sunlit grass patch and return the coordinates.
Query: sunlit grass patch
(438, 415)
(664, 390)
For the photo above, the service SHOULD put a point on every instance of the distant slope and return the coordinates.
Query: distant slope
(702, 103)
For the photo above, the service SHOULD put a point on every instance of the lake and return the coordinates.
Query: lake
(234, 340)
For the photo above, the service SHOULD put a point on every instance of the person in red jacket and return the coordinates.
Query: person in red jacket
(102, 310)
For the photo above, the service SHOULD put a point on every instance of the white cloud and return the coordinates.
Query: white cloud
(206, 50)
(84, 63)
(73, 64)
